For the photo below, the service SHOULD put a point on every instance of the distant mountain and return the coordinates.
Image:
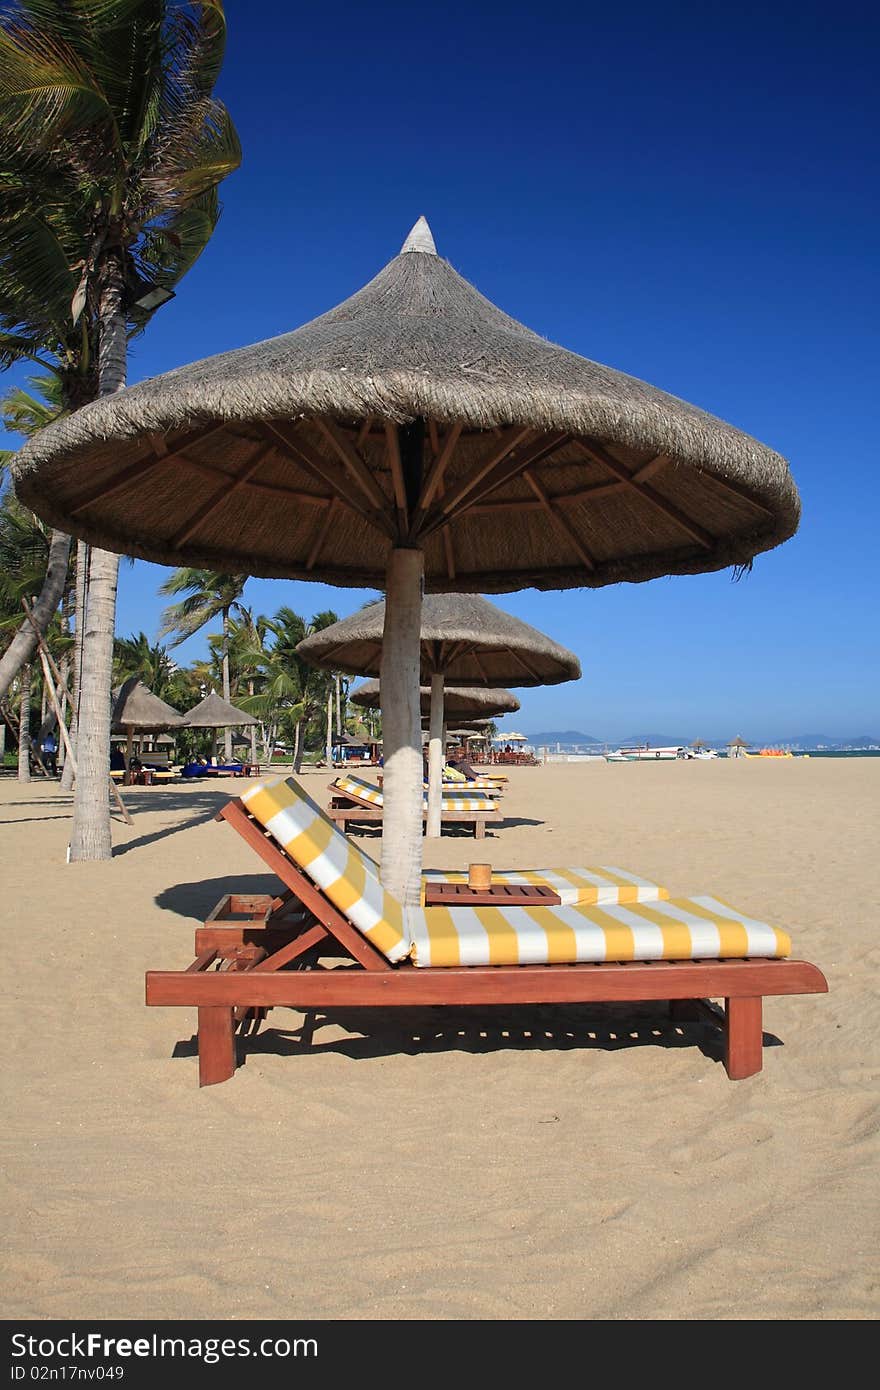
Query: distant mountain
(573, 738)
(545, 740)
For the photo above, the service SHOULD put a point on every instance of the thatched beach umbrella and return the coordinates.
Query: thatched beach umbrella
(213, 712)
(461, 702)
(414, 435)
(736, 745)
(464, 639)
(137, 710)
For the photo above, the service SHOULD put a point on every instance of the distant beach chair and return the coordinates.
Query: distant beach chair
(354, 801)
(686, 951)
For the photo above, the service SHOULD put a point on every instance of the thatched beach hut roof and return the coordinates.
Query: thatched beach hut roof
(464, 638)
(216, 713)
(737, 742)
(461, 701)
(519, 463)
(136, 707)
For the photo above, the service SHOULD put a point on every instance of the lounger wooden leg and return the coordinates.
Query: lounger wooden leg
(479, 830)
(216, 1045)
(743, 1037)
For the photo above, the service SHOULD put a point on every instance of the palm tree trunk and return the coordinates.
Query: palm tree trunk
(2, 740)
(435, 759)
(253, 728)
(90, 836)
(82, 567)
(24, 725)
(297, 745)
(401, 727)
(24, 644)
(227, 694)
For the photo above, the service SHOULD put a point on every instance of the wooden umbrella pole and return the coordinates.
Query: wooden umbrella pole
(435, 759)
(56, 708)
(46, 655)
(401, 727)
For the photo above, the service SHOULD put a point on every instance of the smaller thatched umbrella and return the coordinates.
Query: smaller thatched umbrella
(216, 713)
(463, 702)
(463, 639)
(699, 743)
(137, 709)
(736, 745)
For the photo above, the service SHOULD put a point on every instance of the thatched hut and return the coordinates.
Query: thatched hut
(137, 710)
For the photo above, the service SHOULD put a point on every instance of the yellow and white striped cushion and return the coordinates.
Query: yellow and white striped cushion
(684, 929)
(604, 884)
(452, 801)
(347, 875)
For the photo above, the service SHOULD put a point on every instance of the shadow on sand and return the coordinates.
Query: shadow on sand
(376, 1033)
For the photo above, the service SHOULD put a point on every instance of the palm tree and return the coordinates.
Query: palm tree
(293, 693)
(112, 143)
(150, 662)
(209, 595)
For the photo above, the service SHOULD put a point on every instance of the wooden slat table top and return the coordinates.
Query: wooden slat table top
(498, 895)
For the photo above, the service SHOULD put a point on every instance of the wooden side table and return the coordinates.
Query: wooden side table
(498, 895)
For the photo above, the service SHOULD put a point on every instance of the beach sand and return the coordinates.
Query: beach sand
(541, 1164)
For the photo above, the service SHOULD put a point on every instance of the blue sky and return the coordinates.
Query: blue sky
(687, 193)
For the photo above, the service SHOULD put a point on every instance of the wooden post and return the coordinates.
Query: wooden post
(743, 1037)
(435, 759)
(401, 727)
(216, 1045)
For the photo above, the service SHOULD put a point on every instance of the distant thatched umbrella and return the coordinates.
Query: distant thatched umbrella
(416, 433)
(464, 639)
(216, 713)
(699, 743)
(736, 743)
(461, 702)
(137, 709)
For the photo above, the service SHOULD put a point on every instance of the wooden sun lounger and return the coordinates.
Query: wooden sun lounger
(347, 808)
(241, 970)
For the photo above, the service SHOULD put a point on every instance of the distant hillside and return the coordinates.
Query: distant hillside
(545, 740)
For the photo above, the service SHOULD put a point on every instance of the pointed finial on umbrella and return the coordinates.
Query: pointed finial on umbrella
(420, 239)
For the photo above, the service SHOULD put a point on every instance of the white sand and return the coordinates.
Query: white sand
(449, 1166)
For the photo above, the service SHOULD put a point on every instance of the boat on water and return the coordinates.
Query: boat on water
(647, 754)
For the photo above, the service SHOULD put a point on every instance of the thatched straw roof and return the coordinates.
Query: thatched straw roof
(136, 707)
(737, 742)
(464, 637)
(216, 713)
(519, 463)
(459, 701)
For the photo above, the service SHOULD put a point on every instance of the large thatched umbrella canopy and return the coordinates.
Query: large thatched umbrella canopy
(137, 710)
(213, 712)
(464, 639)
(462, 702)
(415, 433)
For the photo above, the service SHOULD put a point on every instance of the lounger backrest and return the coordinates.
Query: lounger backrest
(452, 800)
(332, 861)
(356, 786)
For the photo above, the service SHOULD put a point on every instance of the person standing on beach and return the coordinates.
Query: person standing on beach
(50, 753)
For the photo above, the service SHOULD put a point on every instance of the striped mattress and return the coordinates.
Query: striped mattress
(679, 929)
(603, 884)
(452, 800)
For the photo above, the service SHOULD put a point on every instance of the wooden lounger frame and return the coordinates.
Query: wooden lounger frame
(348, 808)
(297, 928)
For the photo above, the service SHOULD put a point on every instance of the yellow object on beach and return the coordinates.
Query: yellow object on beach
(686, 929)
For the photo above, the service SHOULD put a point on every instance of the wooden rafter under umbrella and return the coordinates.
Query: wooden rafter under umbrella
(464, 639)
(137, 710)
(414, 436)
